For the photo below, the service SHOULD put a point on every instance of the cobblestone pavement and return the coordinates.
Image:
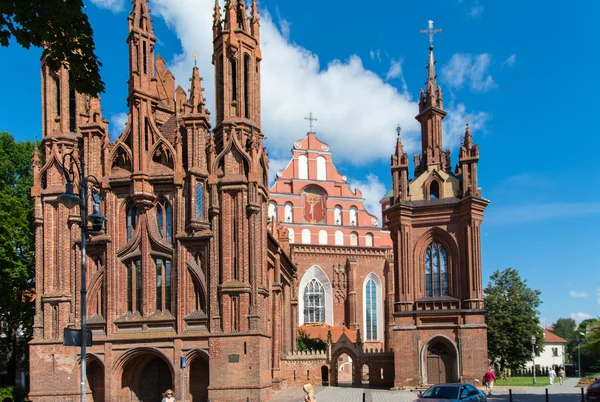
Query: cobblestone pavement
(569, 392)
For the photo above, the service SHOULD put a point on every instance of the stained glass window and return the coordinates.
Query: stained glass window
(436, 270)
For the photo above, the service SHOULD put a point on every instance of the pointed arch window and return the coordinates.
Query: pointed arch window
(56, 85)
(72, 110)
(371, 309)
(233, 66)
(436, 270)
(199, 201)
(134, 286)
(164, 220)
(132, 218)
(314, 302)
(246, 86)
(163, 285)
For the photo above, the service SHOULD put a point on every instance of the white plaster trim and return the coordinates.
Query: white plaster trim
(316, 272)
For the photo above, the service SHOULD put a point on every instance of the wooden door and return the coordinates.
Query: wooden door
(439, 364)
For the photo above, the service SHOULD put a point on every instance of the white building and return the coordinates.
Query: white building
(553, 354)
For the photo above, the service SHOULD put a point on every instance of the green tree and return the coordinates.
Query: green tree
(305, 342)
(512, 318)
(63, 29)
(566, 328)
(16, 251)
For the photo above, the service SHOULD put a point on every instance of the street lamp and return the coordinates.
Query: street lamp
(581, 334)
(533, 356)
(70, 200)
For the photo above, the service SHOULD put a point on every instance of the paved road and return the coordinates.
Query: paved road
(569, 392)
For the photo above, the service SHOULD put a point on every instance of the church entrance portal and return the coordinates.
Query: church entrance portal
(145, 378)
(198, 381)
(440, 361)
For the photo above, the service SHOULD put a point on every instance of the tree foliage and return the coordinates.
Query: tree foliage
(305, 342)
(17, 266)
(63, 29)
(566, 328)
(512, 319)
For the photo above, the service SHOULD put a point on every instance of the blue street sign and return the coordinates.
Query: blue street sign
(183, 362)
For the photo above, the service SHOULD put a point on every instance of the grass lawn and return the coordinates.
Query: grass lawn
(525, 382)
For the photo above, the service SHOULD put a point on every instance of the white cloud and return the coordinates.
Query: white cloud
(353, 104)
(455, 123)
(372, 190)
(117, 122)
(510, 61)
(469, 69)
(395, 72)
(578, 317)
(276, 165)
(578, 293)
(113, 5)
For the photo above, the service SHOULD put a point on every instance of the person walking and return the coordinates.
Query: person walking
(561, 375)
(488, 380)
(552, 375)
(168, 396)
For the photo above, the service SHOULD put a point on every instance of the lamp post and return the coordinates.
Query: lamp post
(70, 200)
(533, 356)
(581, 334)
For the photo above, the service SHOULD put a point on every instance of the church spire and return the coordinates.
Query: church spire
(140, 17)
(197, 94)
(217, 20)
(400, 170)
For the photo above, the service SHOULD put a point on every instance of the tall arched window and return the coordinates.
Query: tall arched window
(353, 216)
(233, 66)
(322, 237)
(56, 89)
(164, 220)
(302, 167)
(436, 270)
(337, 215)
(163, 285)
(321, 168)
(305, 236)
(272, 211)
(339, 238)
(314, 302)
(72, 110)
(289, 216)
(134, 286)
(132, 217)
(199, 201)
(291, 235)
(247, 86)
(371, 309)
(369, 240)
(354, 239)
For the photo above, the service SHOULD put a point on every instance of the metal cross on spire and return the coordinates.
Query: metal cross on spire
(310, 118)
(431, 32)
(195, 55)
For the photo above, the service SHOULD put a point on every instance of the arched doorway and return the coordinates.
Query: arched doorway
(343, 372)
(95, 379)
(324, 376)
(198, 382)
(145, 377)
(440, 361)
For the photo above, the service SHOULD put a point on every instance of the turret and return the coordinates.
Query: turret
(467, 165)
(399, 170)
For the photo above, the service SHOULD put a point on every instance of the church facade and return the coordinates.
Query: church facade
(200, 259)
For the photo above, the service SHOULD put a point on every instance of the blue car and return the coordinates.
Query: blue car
(451, 393)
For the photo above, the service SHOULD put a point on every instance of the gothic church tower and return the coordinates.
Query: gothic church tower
(435, 221)
(240, 323)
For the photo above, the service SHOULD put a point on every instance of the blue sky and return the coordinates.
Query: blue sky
(521, 72)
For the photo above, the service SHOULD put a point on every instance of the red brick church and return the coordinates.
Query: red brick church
(199, 258)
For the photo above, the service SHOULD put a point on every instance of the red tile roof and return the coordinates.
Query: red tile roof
(549, 337)
(320, 331)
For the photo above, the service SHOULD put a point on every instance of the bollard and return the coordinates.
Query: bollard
(546, 394)
(510, 395)
(364, 397)
(582, 395)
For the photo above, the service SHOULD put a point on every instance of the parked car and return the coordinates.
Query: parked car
(451, 393)
(593, 391)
